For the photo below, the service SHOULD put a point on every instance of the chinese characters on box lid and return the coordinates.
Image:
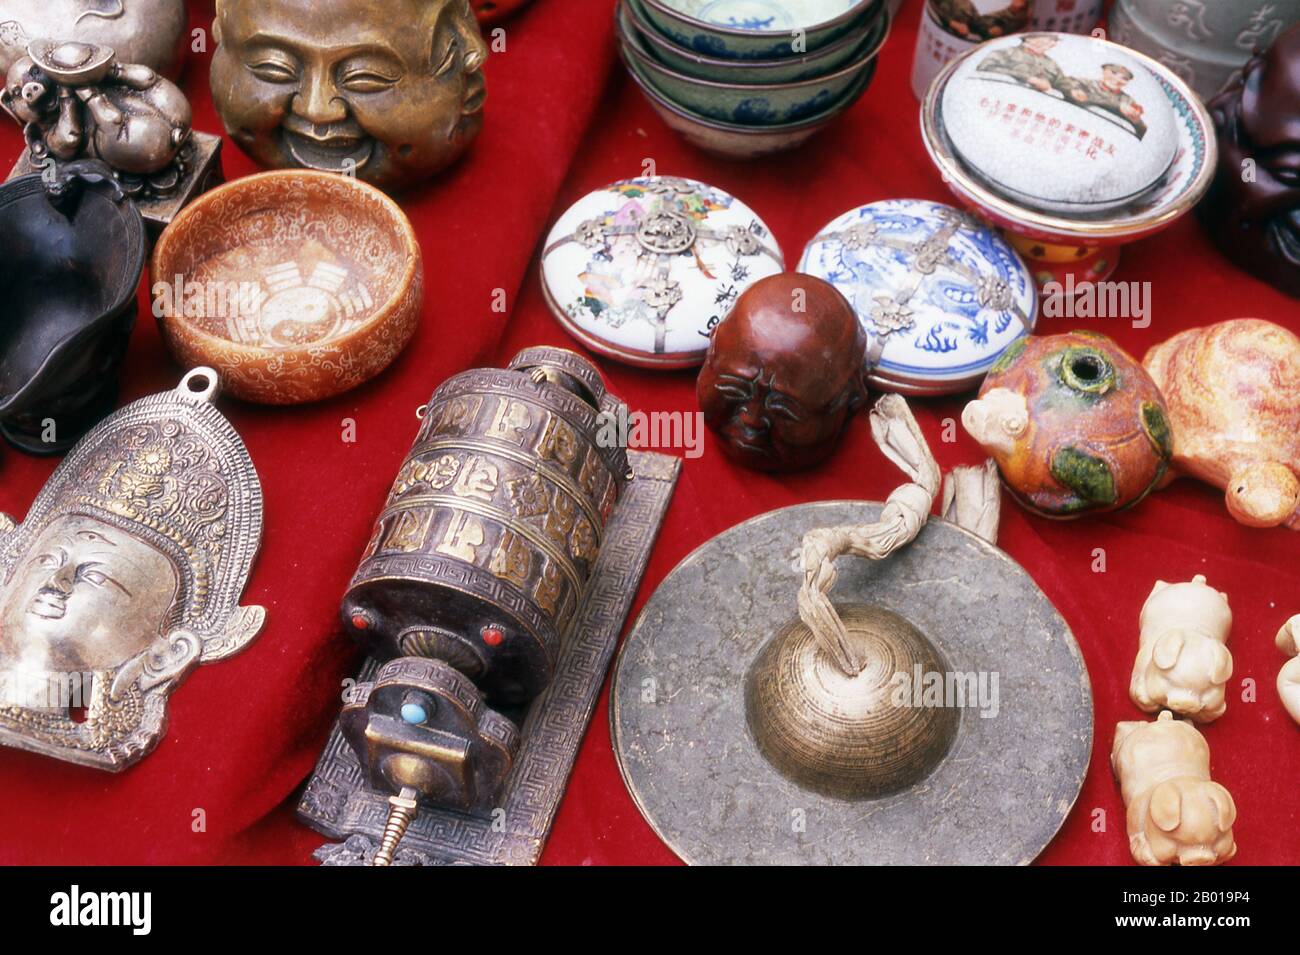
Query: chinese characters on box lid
(1060, 123)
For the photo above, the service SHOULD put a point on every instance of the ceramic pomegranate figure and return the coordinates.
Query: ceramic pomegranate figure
(1074, 424)
(1233, 392)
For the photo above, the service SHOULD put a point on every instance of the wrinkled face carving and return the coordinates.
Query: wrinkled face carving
(392, 90)
(85, 596)
(779, 384)
(1256, 218)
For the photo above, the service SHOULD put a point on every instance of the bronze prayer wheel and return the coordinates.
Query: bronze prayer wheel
(483, 550)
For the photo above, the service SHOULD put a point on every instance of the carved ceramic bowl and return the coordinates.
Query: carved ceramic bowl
(295, 285)
(1072, 248)
(755, 29)
(69, 280)
(789, 69)
(740, 141)
(745, 103)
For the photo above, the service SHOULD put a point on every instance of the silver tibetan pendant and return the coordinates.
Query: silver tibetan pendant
(127, 574)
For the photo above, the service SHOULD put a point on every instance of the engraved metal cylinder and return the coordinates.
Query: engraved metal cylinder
(483, 551)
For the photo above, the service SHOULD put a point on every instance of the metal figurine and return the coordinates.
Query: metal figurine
(389, 90)
(1255, 219)
(152, 32)
(127, 574)
(495, 584)
(79, 101)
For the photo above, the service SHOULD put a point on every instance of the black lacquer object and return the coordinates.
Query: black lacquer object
(72, 250)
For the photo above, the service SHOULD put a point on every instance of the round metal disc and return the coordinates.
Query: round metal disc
(677, 704)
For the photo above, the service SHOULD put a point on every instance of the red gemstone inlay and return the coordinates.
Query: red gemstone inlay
(493, 636)
(360, 621)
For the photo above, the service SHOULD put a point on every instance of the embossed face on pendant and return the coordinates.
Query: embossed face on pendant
(391, 90)
(86, 596)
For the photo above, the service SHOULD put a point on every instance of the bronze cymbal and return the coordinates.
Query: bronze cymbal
(994, 792)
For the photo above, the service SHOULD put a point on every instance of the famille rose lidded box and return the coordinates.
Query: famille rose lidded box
(643, 269)
(1060, 123)
(940, 293)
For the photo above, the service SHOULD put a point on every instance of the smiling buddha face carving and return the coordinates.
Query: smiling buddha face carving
(390, 90)
(125, 575)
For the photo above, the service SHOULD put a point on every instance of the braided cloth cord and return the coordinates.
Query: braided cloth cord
(972, 499)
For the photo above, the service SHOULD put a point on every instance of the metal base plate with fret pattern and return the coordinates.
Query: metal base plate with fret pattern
(338, 803)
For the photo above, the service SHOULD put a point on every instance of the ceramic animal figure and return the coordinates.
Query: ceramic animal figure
(1074, 424)
(1233, 391)
(1175, 812)
(1182, 662)
(1288, 678)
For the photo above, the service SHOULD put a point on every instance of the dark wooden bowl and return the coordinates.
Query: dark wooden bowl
(69, 271)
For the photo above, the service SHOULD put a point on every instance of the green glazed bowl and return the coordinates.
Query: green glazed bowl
(775, 105)
(755, 29)
(864, 38)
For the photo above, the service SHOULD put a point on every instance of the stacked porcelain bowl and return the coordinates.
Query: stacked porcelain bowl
(746, 78)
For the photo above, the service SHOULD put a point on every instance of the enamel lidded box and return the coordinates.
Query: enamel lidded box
(940, 293)
(1072, 145)
(643, 269)
(1099, 131)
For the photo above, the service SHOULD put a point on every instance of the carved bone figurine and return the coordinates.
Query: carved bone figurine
(1233, 391)
(1176, 813)
(1182, 662)
(1288, 678)
(77, 101)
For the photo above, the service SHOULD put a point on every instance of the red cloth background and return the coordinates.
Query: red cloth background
(562, 120)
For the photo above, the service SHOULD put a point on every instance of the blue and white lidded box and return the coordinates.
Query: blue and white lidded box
(940, 293)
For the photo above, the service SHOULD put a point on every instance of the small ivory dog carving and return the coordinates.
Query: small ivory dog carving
(1176, 813)
(1182, 662)
(1288, 678)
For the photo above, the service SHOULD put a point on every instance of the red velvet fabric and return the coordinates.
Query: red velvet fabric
(562, 120)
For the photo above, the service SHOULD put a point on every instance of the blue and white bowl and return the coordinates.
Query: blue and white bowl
(774, 104)
(755, 29)
(868, 35)
(940, 293)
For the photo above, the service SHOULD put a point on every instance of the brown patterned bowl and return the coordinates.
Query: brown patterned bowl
(295, 285)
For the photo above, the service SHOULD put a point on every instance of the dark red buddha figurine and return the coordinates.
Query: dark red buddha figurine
(785, 372)
(1253, 208)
